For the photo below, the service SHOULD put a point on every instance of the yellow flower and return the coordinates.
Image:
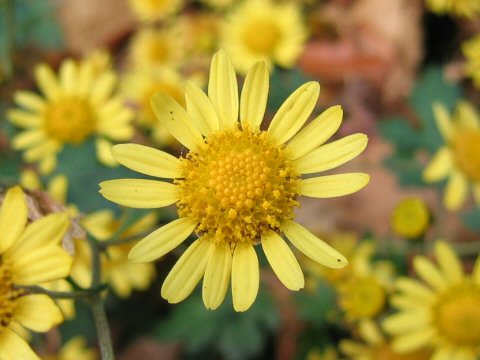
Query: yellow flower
(459, 159)
(238, 185)
(122, 275)
(410, 218)
(29, 255)
(442, 310)
(263, 30)
(466, 8)
(76, 106)
(374, 346)
(471, 51)
(153, 10)
(74, 349)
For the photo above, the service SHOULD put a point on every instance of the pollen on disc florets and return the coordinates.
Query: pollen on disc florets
(8, 296)
(237, 186)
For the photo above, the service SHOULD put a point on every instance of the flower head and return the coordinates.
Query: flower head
(441, 310)
(76, 106)
(466, 8)
(263, 30)
(238, 185)
(29, 255)
(459, 158)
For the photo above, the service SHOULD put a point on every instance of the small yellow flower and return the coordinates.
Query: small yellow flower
(410, 218)
(441, 310)
(77, 105)
(471, 51)
(29, 255)
(238, 185)
(263, 30)
(459, 158)
(466, 8)
(153, 10)
(122, 275)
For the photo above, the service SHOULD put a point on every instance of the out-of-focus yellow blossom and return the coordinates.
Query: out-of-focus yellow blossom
(29, 255)
(156, 49)
(410, 218)
(471, 51)
(74, 349)
(238, 185)
(75, 106)
(466, 8)
(153, 10)
(263, 30)
(441, 310)
(374, 346)
(122, 274)
(459, 158)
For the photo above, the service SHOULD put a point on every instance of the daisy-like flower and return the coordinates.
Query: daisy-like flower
(466, 8)
(153, 10)
(77, 105)
(29, 255)
(238, 185)
(471, 51)
(459, 158)
(262, 30)
(123, 275)
(375, 346)
(441, 310)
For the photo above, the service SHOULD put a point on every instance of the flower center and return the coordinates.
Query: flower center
(363, 297)
(466, 151)
(70, 120)
(457, 315)
(158, 51)
(8, 296)
(262, 37)
(237, 186)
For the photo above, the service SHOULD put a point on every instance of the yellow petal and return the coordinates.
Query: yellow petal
(294, 112)
(162, 240)
(176, 121)
(12, 346)
(316, 133)
(47, 164)
(23, 119)
(414, 289)
(331, 155)
(200, 109)
(40, 265)
(37, 312)
(47, 82)
(85, 79)
(217, 276)
(29, 100)
(406, 321)
(139, 193)
(448, 262)
(103, 87)
(42, 150)
(103, 148)
(442, 118)
(439, 167)
(429, 273)
(147, 160)
(312, 246)
(414, 340)
(68, 76)
(223, 89)
(253, 101)
(187, 272)
(456, 191)
(99, 224)
(467, 116)
(13, 217)
(57, 188)
(28, 139)
(370, 332)
(333, 185)
(245, 276)
(282, 261)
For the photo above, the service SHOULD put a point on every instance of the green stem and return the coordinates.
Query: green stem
(75, 295)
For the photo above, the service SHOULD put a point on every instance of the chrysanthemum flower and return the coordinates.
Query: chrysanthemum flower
(471, 51)
(121, 274)
(77, 105)
(442, 310)
(262, 30)
(29, 255)
(375, 346)
(459, 159)
(238, 185)
(466, 8)
(410, 218)
(153, 10)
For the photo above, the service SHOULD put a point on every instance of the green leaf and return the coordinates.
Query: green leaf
(472, 219)
(315, 307)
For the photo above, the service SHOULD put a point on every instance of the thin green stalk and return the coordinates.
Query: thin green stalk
(75, 295)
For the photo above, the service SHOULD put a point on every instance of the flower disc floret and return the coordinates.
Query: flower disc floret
(8, 296)
(237, 187)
